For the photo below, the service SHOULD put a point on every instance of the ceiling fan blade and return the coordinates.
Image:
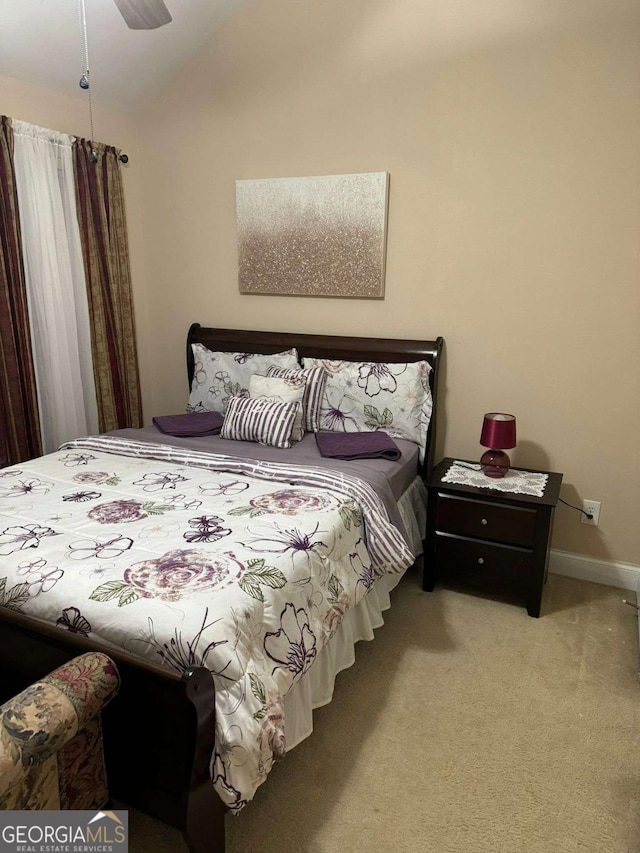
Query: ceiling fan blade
(144, 14)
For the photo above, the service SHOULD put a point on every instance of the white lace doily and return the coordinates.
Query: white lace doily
(516, 482)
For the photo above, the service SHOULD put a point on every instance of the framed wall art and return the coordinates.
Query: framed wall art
(317, 236)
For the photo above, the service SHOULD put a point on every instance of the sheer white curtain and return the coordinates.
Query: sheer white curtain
(55, 280)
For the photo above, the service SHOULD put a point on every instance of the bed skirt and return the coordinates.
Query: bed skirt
(316, 688)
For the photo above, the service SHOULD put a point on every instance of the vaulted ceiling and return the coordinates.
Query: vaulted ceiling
(41, 42)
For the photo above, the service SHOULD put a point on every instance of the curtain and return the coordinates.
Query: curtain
(56, 290)
(19, 422)
(103, 232)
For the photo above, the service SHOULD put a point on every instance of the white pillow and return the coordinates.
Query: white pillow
(367, 396)
(262, 420)
(219, 376)
(283, 391)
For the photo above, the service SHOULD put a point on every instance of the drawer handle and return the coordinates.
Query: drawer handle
(481, 561)
(484, 521)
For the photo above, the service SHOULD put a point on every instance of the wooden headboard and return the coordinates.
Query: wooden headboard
(330, 347)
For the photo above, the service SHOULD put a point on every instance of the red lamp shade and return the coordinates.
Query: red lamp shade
(499, 434)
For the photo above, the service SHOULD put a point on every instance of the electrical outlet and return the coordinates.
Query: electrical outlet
(593, 508)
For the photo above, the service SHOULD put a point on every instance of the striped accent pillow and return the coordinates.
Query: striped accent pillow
(263, 420)
(282, 391)
(315, 378)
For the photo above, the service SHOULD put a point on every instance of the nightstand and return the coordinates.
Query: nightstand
(488, 539)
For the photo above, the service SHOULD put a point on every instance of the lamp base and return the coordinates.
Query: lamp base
(495, 463)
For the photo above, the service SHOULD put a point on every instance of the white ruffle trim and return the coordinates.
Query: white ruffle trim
(317, 685)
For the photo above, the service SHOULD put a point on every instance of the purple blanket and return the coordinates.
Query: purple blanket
(357, 445)
(191, 423)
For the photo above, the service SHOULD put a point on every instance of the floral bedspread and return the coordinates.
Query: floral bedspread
(244, 567)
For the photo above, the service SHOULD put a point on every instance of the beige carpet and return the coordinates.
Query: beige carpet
(465, 727)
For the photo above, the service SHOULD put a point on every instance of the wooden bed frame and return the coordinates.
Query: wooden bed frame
(159, 731)
(330, 347)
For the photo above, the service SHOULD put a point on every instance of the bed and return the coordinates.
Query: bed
(335, 534)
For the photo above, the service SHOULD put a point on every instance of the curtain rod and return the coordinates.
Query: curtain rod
(93, 156)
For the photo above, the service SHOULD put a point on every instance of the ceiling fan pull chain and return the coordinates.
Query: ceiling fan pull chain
(85, 80)
(82, 14)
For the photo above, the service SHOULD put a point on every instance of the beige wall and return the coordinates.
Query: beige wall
(511, 132)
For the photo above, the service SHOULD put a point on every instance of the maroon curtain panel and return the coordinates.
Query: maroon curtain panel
(19, 421)
(103, 234)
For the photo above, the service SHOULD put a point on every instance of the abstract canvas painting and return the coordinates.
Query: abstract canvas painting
(317, 236)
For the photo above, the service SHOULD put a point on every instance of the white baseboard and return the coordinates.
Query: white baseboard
(622, 575)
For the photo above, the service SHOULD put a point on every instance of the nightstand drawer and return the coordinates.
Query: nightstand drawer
(486, 520)
(483, 562)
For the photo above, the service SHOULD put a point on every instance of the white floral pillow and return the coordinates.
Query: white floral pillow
(219, 376)
(282, 391)
(367, 396)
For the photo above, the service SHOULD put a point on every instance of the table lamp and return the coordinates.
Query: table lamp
(498, 434)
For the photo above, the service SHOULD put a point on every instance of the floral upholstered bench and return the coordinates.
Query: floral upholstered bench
(51, 754)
